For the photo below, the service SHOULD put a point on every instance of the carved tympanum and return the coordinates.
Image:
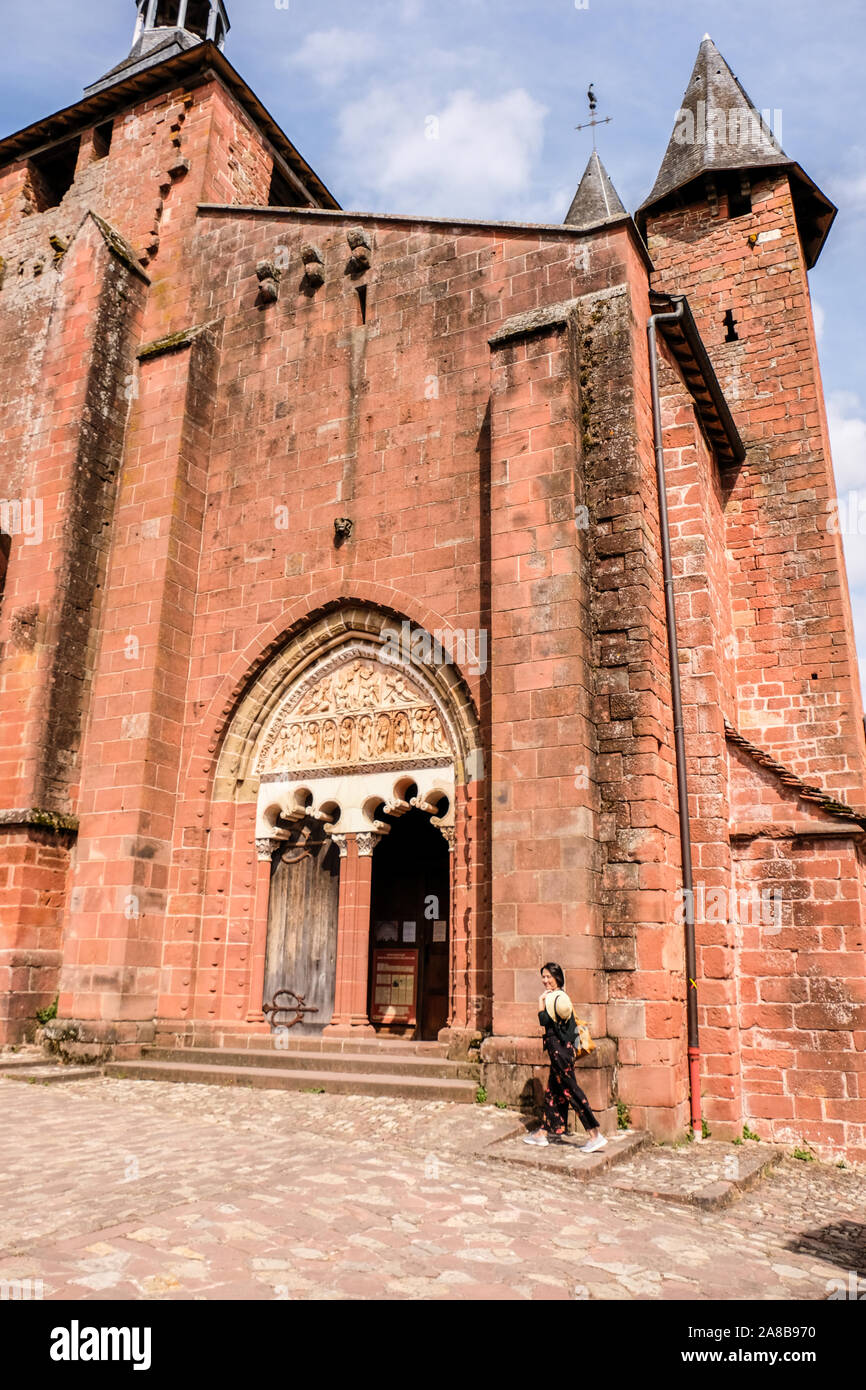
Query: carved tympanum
(363, 713)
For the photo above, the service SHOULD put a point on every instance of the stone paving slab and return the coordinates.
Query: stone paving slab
(135, 1190)
(708, 1174)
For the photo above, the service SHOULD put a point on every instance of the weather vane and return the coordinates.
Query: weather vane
(593, 121)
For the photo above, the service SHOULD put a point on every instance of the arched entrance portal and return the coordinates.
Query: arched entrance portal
(359, 754)
(409, 929)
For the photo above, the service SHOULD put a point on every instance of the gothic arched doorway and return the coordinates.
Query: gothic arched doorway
(348, 731)
(409, 936)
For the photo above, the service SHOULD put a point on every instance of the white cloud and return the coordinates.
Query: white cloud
(846, 417)
(329, 54)
(465, 156)
(820, 319)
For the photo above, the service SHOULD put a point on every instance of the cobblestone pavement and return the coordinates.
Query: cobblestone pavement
(130, 1190)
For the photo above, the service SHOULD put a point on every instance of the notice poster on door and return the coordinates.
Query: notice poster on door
(395, 987)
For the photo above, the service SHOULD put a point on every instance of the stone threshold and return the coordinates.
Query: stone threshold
(567, 1157)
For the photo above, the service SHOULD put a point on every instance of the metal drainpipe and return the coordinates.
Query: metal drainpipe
(694, 1052)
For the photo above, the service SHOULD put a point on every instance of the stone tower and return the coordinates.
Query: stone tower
(772, 678)
(735, 225)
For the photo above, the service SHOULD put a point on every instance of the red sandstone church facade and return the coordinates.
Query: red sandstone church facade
(333, 639)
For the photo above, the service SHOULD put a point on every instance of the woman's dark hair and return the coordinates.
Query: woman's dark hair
(556, 972)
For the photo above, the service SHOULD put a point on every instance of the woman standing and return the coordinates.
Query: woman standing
(556, 1015)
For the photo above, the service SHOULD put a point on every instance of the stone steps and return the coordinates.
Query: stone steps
(421, 1065)
(48, 1073)
(29, 1057)
(275, 1077)
(264, 1042)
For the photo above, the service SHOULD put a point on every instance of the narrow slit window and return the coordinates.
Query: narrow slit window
(732, 336)
(362, 301)
(5, 548)
(102, 140)
(739, 198)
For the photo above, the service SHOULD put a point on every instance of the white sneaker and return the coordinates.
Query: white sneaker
(594, 1145)
(537, 1137)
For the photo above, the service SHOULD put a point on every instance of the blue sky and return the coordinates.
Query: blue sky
(356, 87)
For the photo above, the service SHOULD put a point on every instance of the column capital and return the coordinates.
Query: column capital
(367, 842)
(266, 849)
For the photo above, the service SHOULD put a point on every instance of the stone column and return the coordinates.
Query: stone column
(351, 1018)
(265, 850)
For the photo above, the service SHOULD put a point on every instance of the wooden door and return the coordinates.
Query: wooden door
(302, 923)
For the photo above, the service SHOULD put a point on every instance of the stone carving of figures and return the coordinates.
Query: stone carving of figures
(329, 741)
(311, 743)
(295, 745)
(417, 730)
(347, 688)
(428, 742)
(347, 729)
(280, 749)
(402, 734)
(365, 738)
(396, 690)
(369, 687)
(383, 736)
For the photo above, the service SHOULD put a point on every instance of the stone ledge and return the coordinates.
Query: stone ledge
(54, 821)
(175, 342)
(529, 1052)
(535, 321)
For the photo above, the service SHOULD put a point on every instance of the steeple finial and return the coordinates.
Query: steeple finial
(593, 122)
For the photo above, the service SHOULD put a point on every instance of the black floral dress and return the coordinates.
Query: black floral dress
(560, 1043)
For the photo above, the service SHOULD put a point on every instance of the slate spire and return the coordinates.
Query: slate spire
(717, 128)
(718, 132)
(596, 200)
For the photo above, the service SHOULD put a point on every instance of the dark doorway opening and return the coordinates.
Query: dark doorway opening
(409, 928)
